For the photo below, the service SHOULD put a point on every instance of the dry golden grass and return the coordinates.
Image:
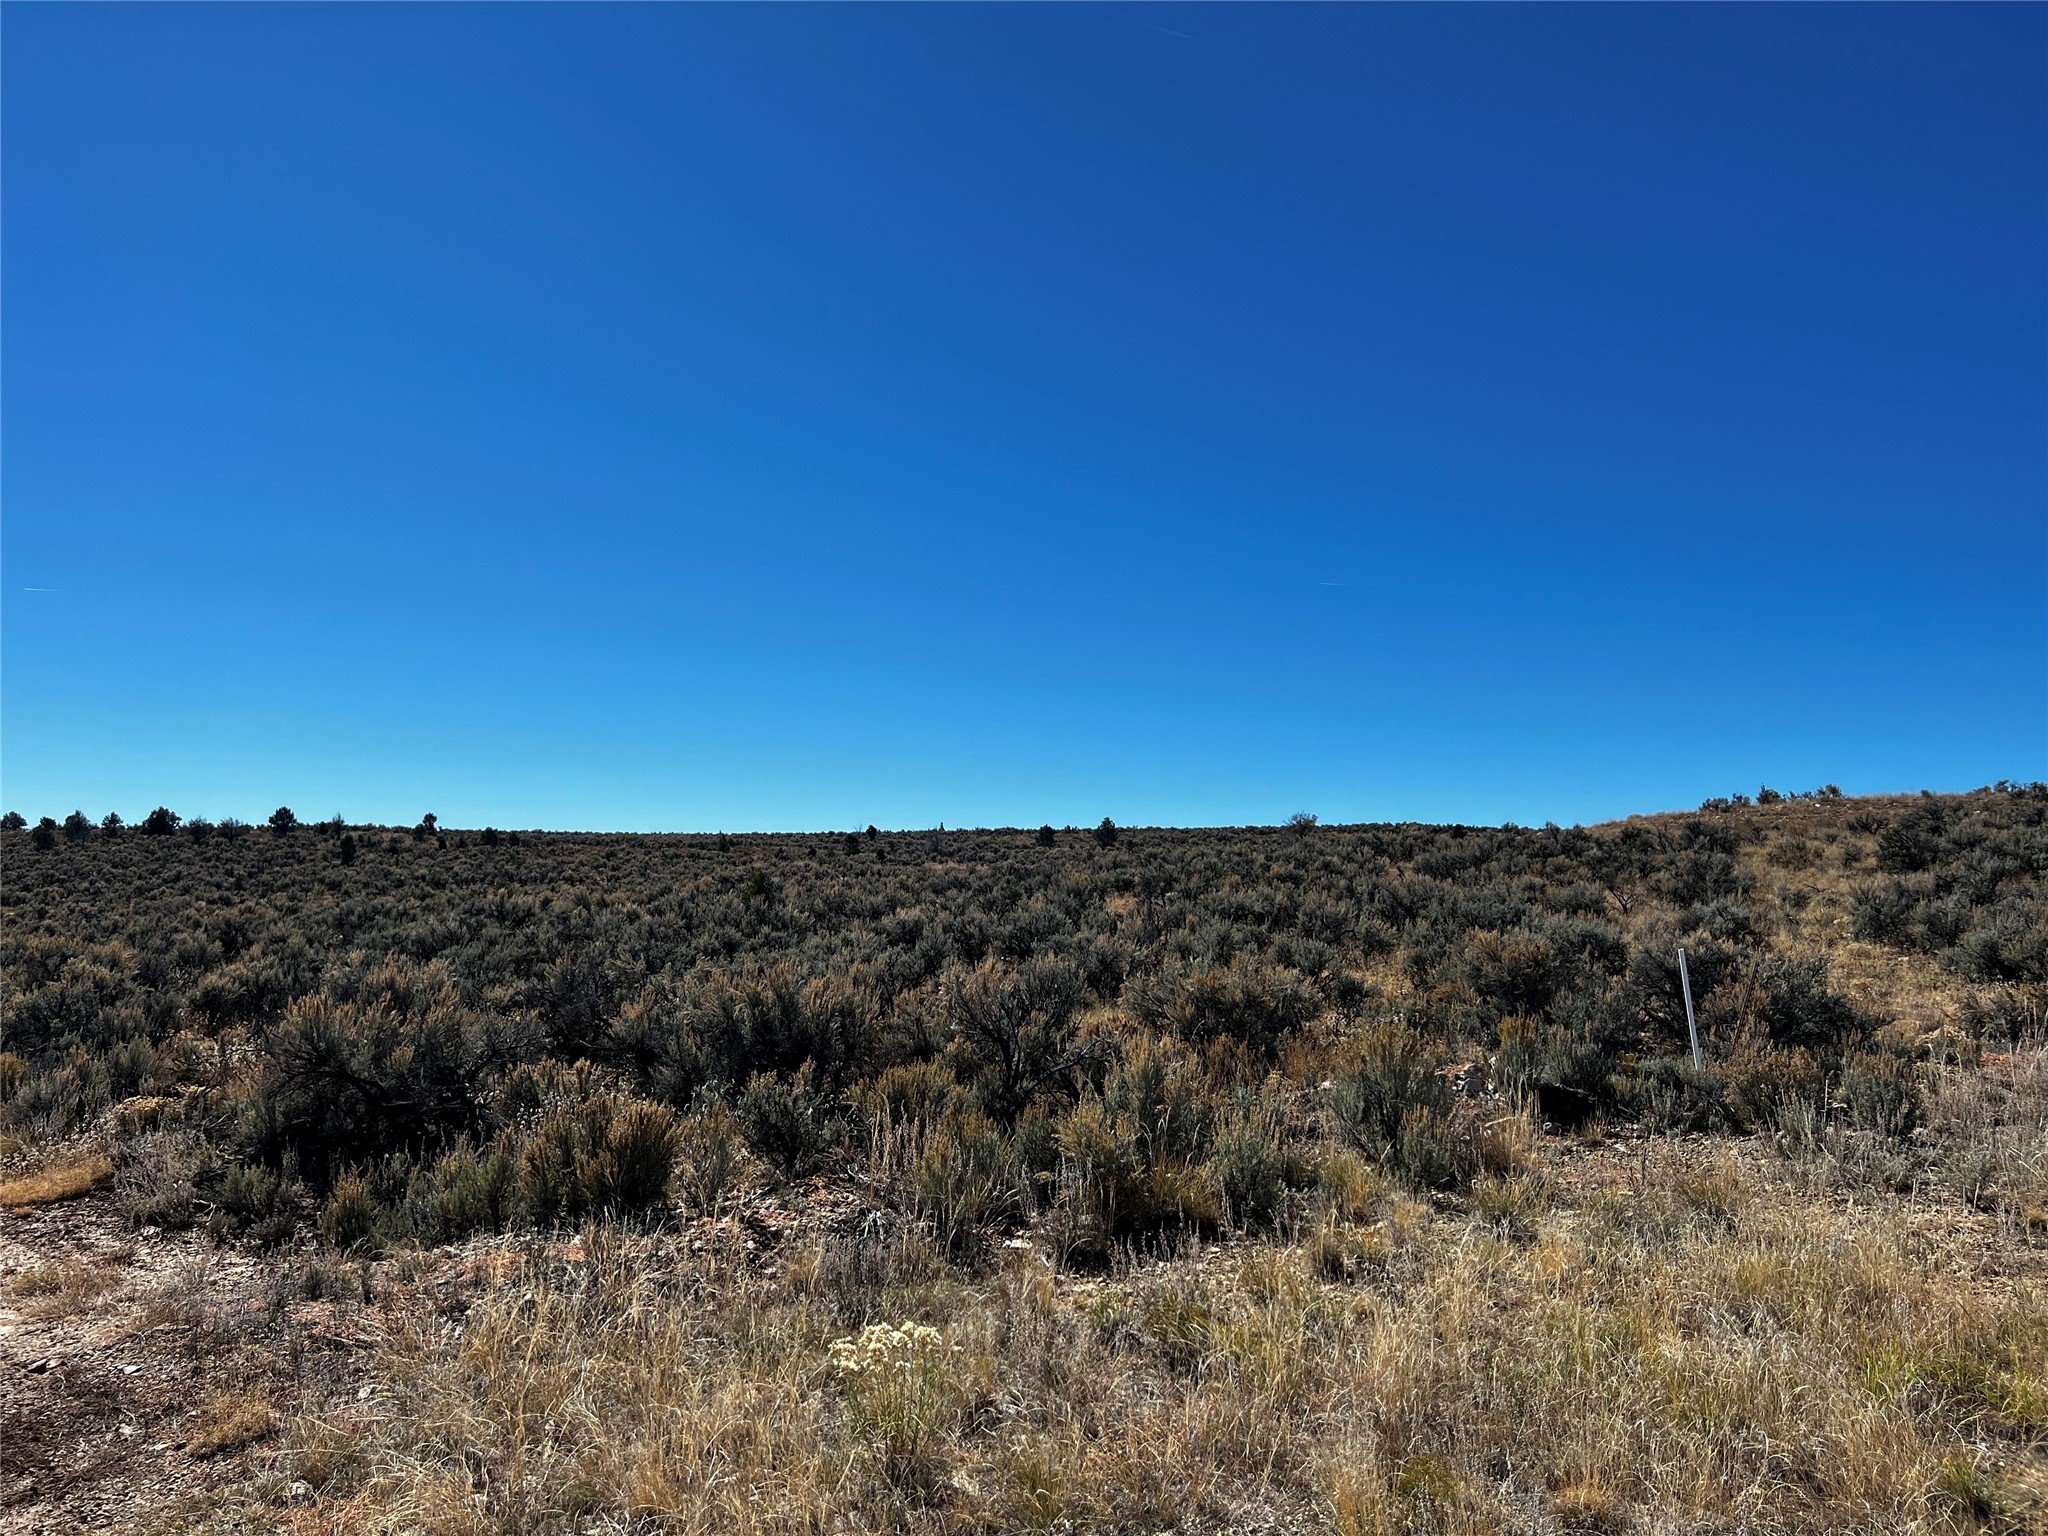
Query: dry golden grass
(60, 1181)
(61, 1289)
(1667, 1340)
(230, 1423)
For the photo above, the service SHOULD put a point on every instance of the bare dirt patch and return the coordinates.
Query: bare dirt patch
(136, 1369)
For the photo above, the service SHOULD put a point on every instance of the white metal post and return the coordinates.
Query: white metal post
(1691, 1024)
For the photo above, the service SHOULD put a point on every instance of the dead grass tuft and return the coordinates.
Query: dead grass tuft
(60, 1181)
(231, 1423)
(61, 1289)
(1586, 1504)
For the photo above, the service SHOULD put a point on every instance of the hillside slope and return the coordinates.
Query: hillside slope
(1326, 1178)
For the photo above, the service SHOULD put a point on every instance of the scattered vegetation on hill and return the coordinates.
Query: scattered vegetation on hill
(1026, 1056)
(453, 1031)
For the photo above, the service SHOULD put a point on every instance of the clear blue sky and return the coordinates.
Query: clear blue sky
(687, 417)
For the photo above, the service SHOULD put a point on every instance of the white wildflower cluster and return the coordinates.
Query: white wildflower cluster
(881, 1347)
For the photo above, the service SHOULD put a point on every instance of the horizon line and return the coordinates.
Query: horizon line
(1826, 794)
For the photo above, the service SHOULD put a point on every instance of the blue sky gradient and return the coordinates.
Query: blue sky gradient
(783, 417)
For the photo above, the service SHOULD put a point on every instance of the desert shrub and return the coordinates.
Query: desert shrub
(1741, 991)
(134, 1116)
(1799, 1010)
(965, 1181)
(156, 1178)
(1017, 1027)
(790, 1123)
(710, 1158)
(2006, 1013)
(1883, 914)
(533, 1087)
(1913, 842)
(1758, 1078)
(2006, 941)
(1432, 1151)
(1132, 1153)
(1035, 1148)
(1101, 1188)
(1699, 875)
(134, 1068)
(252, 1201)
(1248, 1159)
(1798, 1127)
(344, 1081)
(351, 1220)
(629, 1165)
(1520, 972)
(1794, 853)
(1965, 887)
(1881, 1093)
(466, 1191)
(432, 1005)
(1394, 1105)
(1669, 1093)
(1533, 1057)
(55, 1103)
(919, 1093)
(729, 1029)
(1154, 1090)
(1392, 1071)
(1245, 1000)
(1108, 1191)
(608, 1156)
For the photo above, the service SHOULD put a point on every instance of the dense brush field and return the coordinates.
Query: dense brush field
(1329, 1178)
